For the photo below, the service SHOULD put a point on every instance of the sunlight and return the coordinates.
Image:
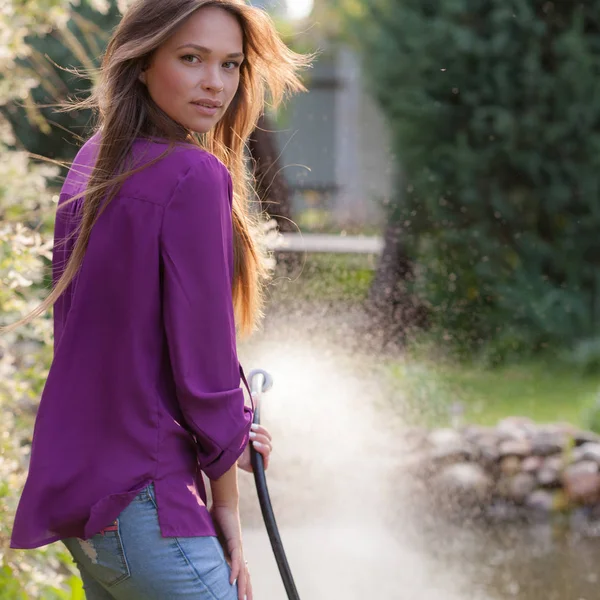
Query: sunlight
(299, 9)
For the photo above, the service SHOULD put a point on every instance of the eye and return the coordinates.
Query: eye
(231, 65)
(190, 58)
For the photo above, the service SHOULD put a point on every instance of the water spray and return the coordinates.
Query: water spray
(260, 383)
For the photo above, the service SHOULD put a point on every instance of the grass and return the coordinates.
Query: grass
(545, 391)
(319, 220)
(541, 391)
(325, 277)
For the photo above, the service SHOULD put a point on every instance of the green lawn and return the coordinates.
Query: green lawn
(544, 392)
(325, 277)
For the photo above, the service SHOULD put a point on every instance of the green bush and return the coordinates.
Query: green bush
(26, 214)
(494, 110)
(56, 55)
(25, 242)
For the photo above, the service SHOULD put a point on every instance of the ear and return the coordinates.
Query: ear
(142, 77)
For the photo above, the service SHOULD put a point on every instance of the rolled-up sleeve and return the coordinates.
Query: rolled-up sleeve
(197, 255)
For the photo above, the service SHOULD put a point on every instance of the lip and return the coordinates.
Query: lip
(208, 102)
(207, 107)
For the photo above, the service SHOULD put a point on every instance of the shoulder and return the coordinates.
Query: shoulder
(196, 164)
(82, 166)
(174, 169)
(166, 167)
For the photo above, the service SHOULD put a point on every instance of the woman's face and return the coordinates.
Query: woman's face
(194, 75)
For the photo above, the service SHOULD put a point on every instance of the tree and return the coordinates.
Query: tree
(271, 186)
(490, 113)
(393, 308)
(26, 207)
(55, 56)
(78, 45)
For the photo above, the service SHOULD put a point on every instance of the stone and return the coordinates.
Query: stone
(487, 448)
(589, 451)
(452, 454)
(489, 439)
(480, 434)
(584, 466)
(521, 485)
(444, 437)
(538, 469)
(582, 488)
(548, 477)
(555, 462)
(510, 465)
(532, 464)
(503, 489)
(540, 500)
(473, 433)
(464, 483)
(448, 446)
(468, 481)
(584, 437)
(515, 447)
(576, 454)
(515, 427)
(546, 443)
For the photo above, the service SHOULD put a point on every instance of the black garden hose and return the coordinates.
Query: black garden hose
(260, 382)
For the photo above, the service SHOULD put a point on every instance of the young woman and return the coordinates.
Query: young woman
(154, 255)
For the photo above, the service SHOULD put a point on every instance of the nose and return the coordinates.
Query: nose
(212, 80)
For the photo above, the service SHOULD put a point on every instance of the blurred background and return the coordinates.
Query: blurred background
(434, 209)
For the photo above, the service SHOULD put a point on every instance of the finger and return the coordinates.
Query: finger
(236, 569)
(256, 427)
(265, 452)
(246, 593)
(242, 583)
(249, 591)
(260, 438)
(262, 449)
(262, 430)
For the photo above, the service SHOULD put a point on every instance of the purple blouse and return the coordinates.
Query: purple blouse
(145, 382)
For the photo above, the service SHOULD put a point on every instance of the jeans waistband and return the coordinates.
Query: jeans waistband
(146, 494)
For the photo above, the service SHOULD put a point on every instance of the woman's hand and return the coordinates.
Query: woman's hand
(261, 439)
(226, 520)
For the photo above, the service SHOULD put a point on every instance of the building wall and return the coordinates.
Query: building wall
(335, 146)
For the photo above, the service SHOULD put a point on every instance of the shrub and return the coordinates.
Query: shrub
(26, 212)
(494, 110)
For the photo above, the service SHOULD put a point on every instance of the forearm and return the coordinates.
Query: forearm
(225, 491)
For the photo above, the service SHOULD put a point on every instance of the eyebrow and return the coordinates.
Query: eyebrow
(206, 50)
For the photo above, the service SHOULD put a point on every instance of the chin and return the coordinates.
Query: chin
(203, 126)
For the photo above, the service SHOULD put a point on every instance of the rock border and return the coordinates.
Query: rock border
(517, 468)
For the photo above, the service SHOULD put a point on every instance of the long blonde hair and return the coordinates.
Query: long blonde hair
(126, 111)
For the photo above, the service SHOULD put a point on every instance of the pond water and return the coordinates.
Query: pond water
(351, 527)
(526, 563)
(361, 561)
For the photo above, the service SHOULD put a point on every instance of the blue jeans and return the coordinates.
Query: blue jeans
(132, 561)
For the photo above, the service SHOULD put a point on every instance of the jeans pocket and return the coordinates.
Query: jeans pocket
(102, 556)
